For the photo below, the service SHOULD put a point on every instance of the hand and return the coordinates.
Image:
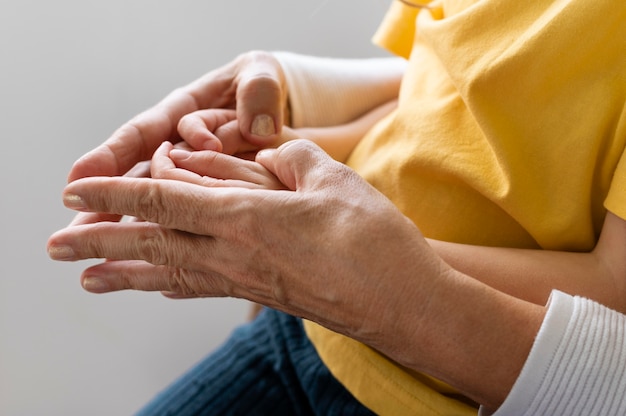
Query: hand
(210, 169)
(214, 169)
(253, 85)
(222, 126)
(330, 248)
(220, 130)
(214, 129)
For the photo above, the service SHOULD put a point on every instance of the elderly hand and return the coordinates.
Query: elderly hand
(329, 248)
(253, 85)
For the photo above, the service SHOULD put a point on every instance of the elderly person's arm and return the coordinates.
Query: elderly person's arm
(355, 265)
(576, 365)
(302, 251)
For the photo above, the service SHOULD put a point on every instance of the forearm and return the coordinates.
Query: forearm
(496, 322)
(328, 91)
(532, 274)
(474, 338)
(339, 141)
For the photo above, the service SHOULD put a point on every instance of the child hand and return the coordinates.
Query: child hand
(210, 168)
(217, 130)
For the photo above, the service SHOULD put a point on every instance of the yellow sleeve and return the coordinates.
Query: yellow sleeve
(397, 29)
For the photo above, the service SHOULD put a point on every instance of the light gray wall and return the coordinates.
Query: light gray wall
(71, 72)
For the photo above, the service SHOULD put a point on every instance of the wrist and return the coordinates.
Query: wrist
(474, 338)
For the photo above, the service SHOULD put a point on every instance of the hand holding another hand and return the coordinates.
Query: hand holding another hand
(328, 247)
(252, 85)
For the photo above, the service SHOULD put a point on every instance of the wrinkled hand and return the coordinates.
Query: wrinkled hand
(252, 85)
(329, 248)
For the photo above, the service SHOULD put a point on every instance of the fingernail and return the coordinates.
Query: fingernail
(95, 284)
(263, 125)
(74, 202)
(172, 295)
(179, 154)
(61, 253)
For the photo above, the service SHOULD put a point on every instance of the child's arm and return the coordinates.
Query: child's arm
(531, 274)
(339, 141)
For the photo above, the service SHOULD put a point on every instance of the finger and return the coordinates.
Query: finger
(217, 169)
(261, 98)
(210, 169)
(197, 128)
(131, 241)
(161, 161)
(176, 205)
(233, 141)
(144, 256)
(301, 164)
(140, 170)
(136, 140)
(164, 167)
(183, 146)
(172, 282)
(114, 276)
(214, 129)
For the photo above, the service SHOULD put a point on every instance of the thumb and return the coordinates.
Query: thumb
(300, 164)
(261, 99)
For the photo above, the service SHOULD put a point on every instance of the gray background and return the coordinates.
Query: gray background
(71, 72)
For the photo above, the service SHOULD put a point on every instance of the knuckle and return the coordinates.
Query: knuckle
(179, 282)
(152, 247)
(195, 284)
(152, 205)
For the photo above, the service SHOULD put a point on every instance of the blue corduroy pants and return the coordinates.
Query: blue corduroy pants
(266, 367)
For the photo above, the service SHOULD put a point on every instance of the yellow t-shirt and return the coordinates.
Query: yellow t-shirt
(510, 131)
